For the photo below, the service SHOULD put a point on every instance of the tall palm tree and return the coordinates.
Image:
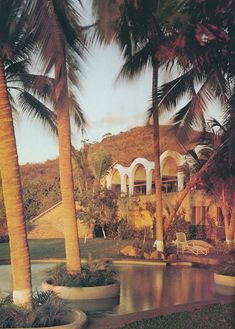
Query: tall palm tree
(207, 74)
(15, 48)
(142, 31)
(57, 33)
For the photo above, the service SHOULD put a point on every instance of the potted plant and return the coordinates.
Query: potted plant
(96, 281)
(225, 274)
(47, 311)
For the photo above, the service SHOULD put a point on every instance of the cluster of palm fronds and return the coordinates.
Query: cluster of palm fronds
(48, 310)
(93, 274)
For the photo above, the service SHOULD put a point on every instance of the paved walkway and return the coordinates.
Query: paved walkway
(113, 322)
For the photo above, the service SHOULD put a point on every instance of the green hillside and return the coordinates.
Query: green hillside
(137, 142)
(40, 181)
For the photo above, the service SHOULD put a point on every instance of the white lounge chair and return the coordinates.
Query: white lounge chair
(182, 245)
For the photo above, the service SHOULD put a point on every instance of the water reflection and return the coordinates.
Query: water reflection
(143, 287)
(149, 287)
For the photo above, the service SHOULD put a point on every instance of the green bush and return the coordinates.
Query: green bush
(222, 248)
(92, 275)
(178, 225)
(4, 238)
(226, 268)
(128, 232)
(48, 310)
(169, 250)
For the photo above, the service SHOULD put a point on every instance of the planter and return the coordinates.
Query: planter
(225, 284)
(88, 298)
(77, 320)
(225, 280)
(84, 293)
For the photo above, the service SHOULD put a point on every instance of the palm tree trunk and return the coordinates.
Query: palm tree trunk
(72, 248)
(229, 220)
(12, 193)
(157, 171)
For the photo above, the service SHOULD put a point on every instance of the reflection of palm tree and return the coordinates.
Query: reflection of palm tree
(15, 46)
(57, 30)
(142, 30)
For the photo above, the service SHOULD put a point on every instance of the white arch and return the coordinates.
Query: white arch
(128, 173)
(148, 166)
(179, 159)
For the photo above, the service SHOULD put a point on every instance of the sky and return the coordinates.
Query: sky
(109, 106)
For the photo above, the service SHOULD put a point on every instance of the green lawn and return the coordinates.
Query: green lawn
(54, 248)
(210, 317)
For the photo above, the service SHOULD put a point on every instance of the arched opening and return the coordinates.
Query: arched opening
(116, 182)
(140, 180)
(169, 176)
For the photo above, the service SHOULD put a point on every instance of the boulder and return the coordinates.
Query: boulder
(154, 255)
(129, 251)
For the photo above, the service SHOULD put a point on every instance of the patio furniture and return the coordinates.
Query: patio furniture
(182, 245)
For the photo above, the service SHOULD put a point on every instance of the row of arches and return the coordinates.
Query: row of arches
(138, 178)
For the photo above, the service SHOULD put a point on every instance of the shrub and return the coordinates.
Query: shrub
(92, 275)
(128, 232)
(48, 310)
(226, 268)
(222, 248)
(178, 225)
(125, 230)
(169, 250)
(4, 238)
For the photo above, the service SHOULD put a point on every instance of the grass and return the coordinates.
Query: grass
(54, 248)
(215, 316)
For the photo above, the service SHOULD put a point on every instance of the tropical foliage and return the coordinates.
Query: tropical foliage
(93, 274)
(15, 48)
(47, 311)
(59, 51)
(143, 28)
(98, 208)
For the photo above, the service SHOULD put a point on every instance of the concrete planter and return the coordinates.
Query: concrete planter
(88, 298)
(84, 293)
(225, 280)
(77, 320)
(224, 284)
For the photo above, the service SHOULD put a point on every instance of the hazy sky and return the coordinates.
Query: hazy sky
(108, 105)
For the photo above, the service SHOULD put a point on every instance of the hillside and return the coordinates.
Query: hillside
(40, 181)
(137, 142)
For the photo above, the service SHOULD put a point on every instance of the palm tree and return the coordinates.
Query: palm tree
(57, 33)
(142, 30)
(15, 48)
(200, 49)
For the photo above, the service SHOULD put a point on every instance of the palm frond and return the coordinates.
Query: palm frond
(76, 112)
(108, 14)
(67, 14)
(35, 109)
(40, 85)
(171, 92)
(13, 69)
(136, 63)
(43, 21)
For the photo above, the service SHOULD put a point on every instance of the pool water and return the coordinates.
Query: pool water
(142, 287)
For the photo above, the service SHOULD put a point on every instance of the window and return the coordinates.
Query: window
(169, 184)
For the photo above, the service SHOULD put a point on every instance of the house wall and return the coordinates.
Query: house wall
(134, 208)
